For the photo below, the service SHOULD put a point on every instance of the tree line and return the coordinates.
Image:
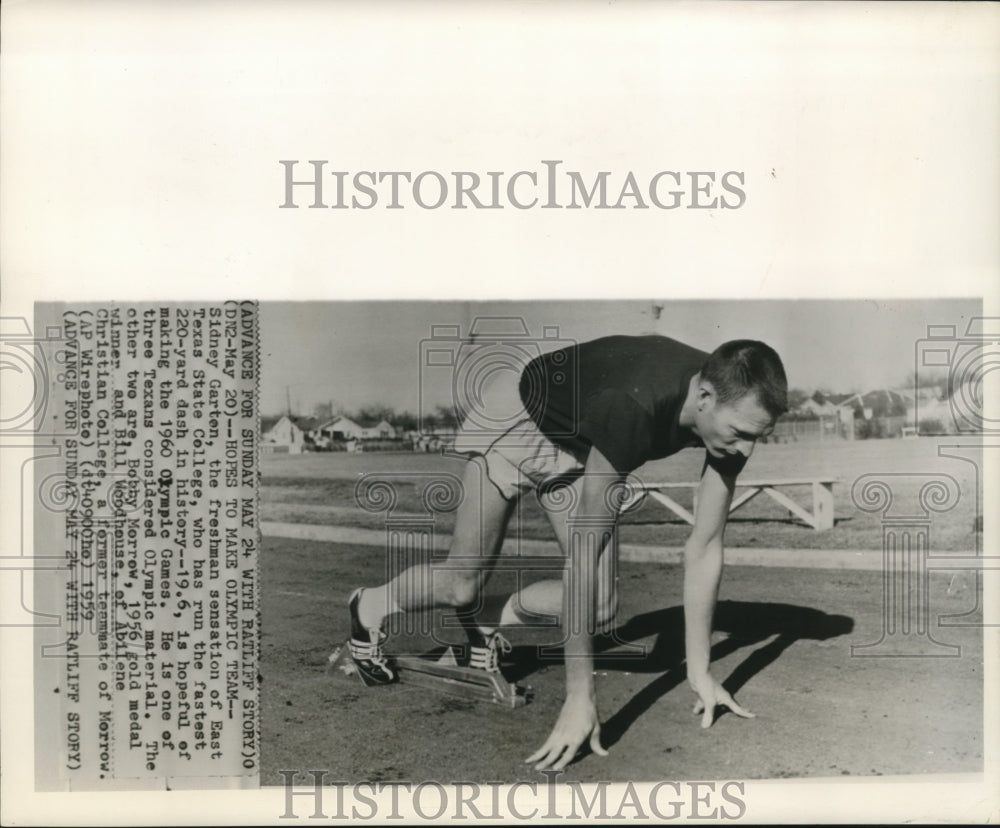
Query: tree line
(442, 416)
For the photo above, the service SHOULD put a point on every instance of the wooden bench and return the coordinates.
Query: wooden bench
(820, 518)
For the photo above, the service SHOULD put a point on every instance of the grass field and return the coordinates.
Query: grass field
(320, 488)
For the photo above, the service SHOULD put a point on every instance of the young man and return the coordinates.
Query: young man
(584, 417)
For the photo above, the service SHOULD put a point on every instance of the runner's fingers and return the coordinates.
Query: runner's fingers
(550, 756)
(707, 716)
(546, 756)
(567, 757)
(730, 702)
(538, 754)
(698, 707)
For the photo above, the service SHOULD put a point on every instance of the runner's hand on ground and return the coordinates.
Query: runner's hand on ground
(712, 694)
(577, 721)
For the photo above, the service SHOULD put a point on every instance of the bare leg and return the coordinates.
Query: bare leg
(545, 598)
(480, 524)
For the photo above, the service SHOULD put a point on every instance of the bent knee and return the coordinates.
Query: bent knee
(458, 588)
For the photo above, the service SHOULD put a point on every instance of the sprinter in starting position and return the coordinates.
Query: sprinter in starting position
(588, 415)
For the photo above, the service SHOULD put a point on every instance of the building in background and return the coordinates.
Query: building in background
(288, 433)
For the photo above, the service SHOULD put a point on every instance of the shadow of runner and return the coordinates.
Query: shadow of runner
(626, 648)
(747, 623)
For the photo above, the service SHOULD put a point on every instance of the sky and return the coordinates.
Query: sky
(359, 353)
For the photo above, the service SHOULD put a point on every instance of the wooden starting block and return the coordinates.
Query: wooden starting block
(444, 675)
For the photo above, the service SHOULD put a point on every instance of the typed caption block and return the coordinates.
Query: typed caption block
(146, 483)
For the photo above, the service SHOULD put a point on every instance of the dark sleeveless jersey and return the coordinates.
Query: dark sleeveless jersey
(622, 394)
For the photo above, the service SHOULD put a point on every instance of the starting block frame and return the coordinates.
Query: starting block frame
(444, 675)
(467, 682)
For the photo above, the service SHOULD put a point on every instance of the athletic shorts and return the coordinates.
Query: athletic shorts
(518, 456)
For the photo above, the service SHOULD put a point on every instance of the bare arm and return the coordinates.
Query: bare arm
(702, 573)
(588, 537)
(590, 531)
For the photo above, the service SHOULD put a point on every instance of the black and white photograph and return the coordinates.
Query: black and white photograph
(499, 413)
(434, 507)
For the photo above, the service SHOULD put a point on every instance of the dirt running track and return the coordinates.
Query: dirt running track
(783, 648)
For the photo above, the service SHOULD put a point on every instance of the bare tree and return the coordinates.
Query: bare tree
(377, 411)
(796, 396)
(323, 411)
(445, 417)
